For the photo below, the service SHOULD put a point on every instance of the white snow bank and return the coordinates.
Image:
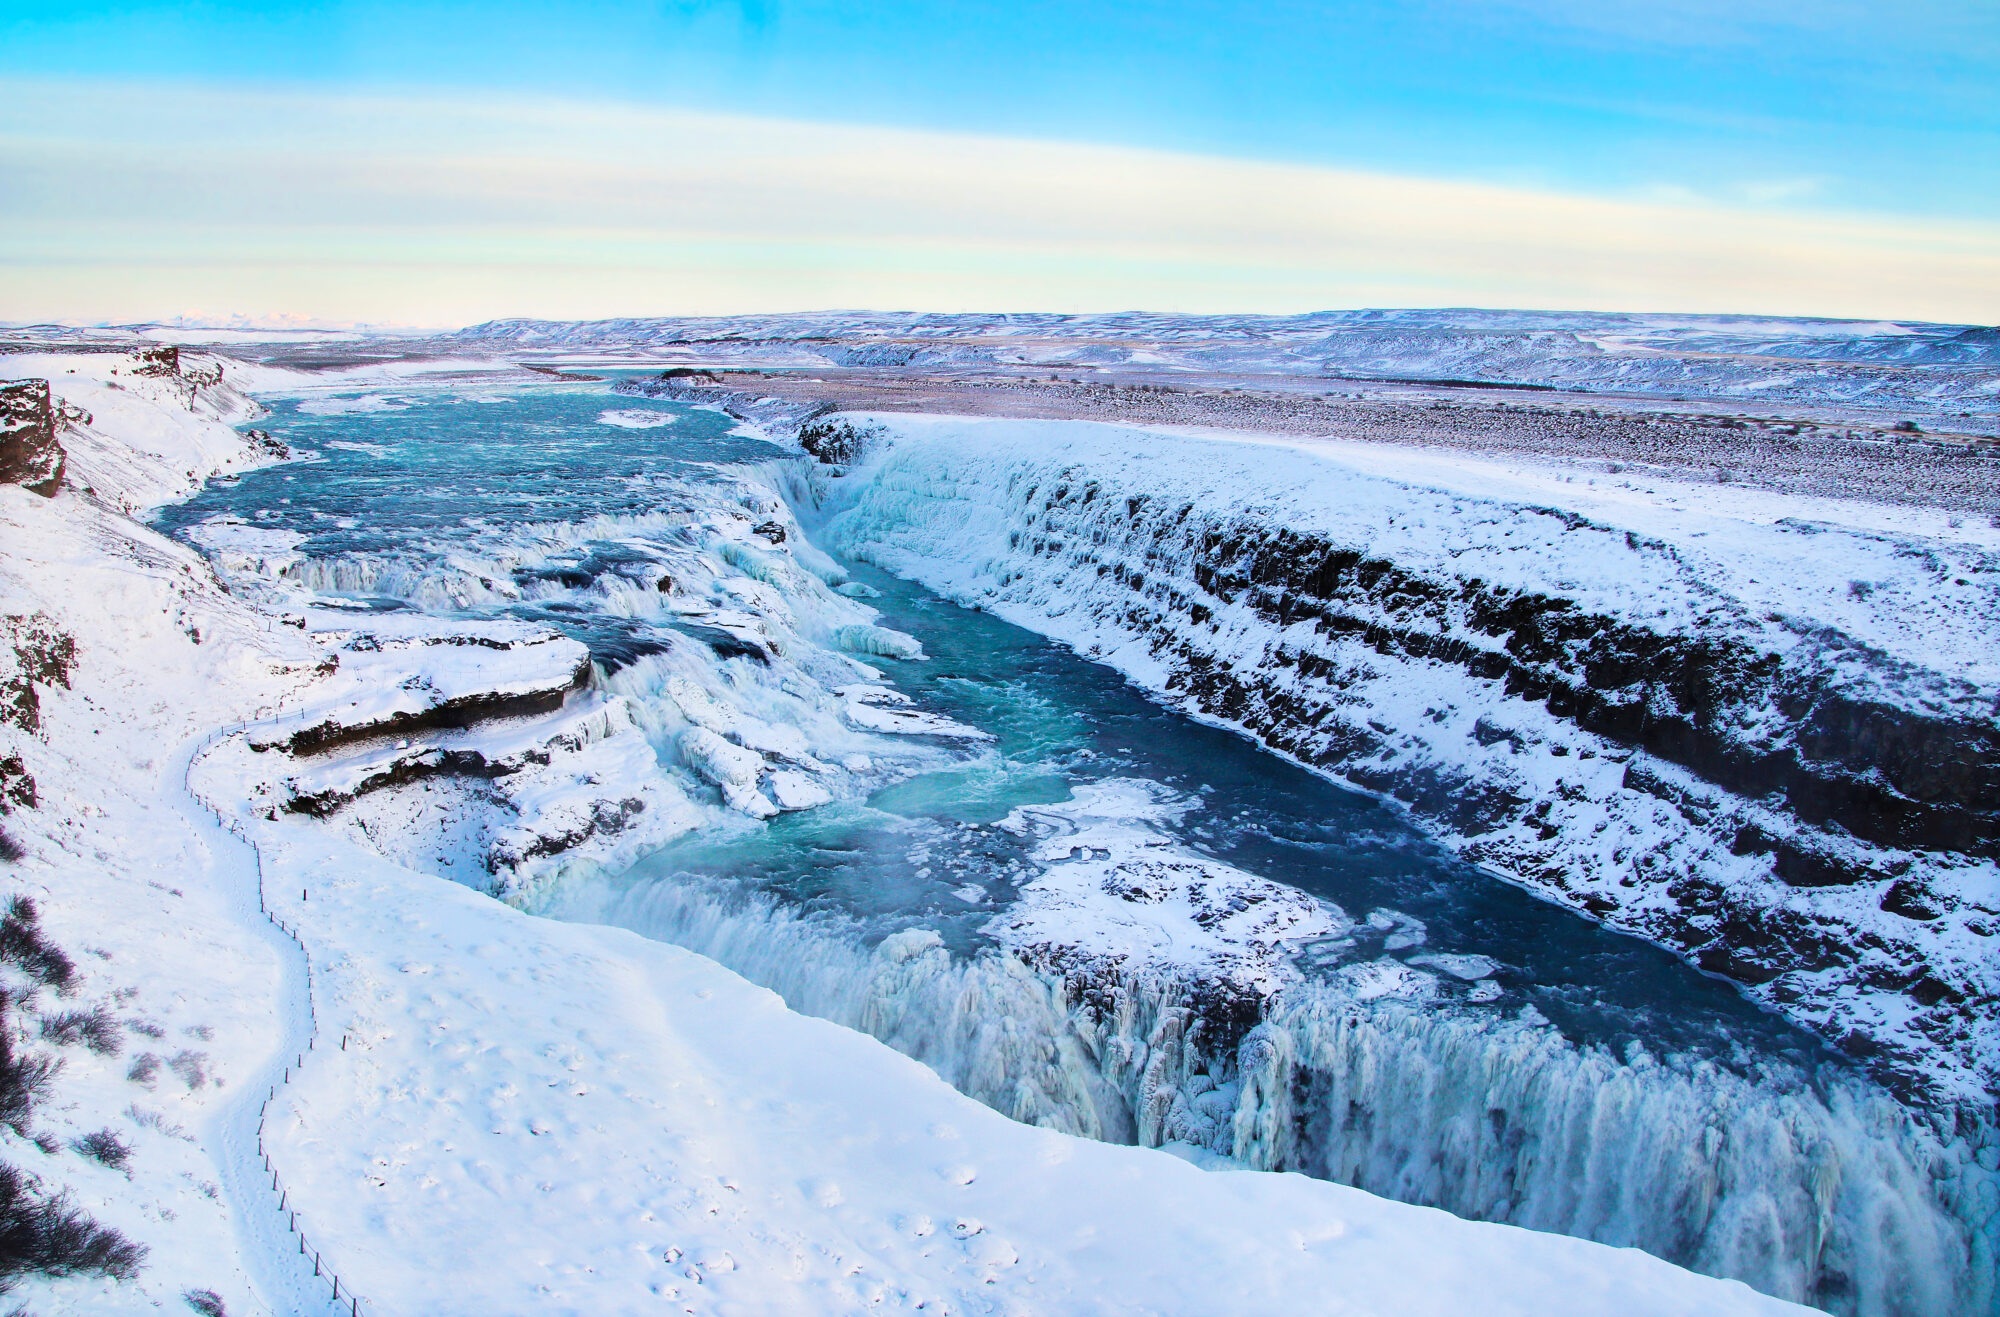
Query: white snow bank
(1711, 550)
(140, 440)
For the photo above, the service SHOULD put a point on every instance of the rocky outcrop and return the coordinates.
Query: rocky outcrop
(30, 454)
(455, 712)
(837, 440)
(39, 652)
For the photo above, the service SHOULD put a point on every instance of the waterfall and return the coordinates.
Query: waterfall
(1817, 1188)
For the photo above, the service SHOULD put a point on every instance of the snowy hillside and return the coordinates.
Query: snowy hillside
(323, 1080)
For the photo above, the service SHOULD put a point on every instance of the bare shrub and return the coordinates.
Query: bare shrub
(10, 850)
(145, 1068)
(192, 1067)
(24, 1079)
(96, 1029)
(154, 1120)
(206, 1302)
(22, 942)
(43, 1236)
(104, 1148)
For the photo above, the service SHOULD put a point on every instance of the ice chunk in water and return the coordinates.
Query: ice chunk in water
(1469, 968)
(717, 760)
(794, 790)
(879, 640)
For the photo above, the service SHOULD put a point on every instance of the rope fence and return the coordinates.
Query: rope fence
(339, 1292)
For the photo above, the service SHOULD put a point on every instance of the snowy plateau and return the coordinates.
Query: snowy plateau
(368, 952)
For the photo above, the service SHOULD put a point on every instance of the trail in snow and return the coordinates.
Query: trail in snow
(290, 1272)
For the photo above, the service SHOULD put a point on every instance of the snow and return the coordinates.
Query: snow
(635, 418)
(1116, 895)
(137, 441)
(476, 1110)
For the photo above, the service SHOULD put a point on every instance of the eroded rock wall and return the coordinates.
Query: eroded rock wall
(30, 454)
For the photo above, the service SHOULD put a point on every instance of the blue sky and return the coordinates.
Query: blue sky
(1831, 112)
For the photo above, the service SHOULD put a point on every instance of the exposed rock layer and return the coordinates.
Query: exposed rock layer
(29, 452)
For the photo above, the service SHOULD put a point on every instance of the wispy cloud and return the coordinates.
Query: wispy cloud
(139, 201)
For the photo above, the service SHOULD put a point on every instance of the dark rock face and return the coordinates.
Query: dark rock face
(38, 653)
(159, 361)
(836, 440)
(41, 653)
(466, 711)
(428, 763)
(17, 785)
(29, 452)
(1884, 775)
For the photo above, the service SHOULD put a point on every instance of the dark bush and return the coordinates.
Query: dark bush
(22, 942)
(192, 1067)
(206, 1302)
(144, 1067)
(96, 1029)
(105, 1148)
(10, 850)
(23, 1079)
(43, 1236)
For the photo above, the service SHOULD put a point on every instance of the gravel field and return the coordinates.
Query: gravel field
(1828, 455)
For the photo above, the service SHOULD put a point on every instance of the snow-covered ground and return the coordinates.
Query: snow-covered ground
(465, 1109)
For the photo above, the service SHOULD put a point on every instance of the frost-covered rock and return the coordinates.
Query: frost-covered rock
(878, 641)
(1116, 902)
(718, 761)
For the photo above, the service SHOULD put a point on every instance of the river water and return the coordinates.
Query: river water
(1448, 1040)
